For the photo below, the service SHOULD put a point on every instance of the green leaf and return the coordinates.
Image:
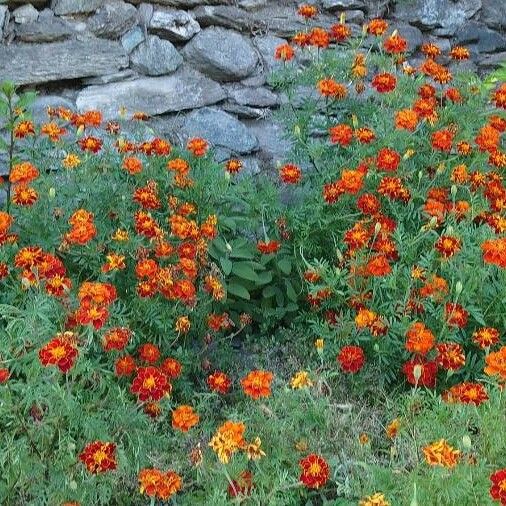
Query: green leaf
(268, 292)
(244, 271)
(226, 265)
(238, 290)
(285, 265)
(290, 291)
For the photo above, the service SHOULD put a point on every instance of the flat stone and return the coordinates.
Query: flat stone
(220, 129)
(122, 75)
(251, 5)
(145, 13)
(113, 19)
(183, 90)
(71, 59)
(444, 15)
(267, 45)
(479, 38)
(377, 8)
(188, 4)
(4, 18)
(175, 25)
(25, 14)
(222, 54)
(44, 30)
(131, 39)
(244, 111)
(342, 5)
(40, 105)
(225, 16)
(493, 13)
(65, 7)
(155, 57)
(355, 16)
(492, 61)
(255, 97)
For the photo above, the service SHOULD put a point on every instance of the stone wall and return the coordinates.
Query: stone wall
(199, 66)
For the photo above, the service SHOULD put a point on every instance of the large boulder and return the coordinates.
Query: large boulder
(493, 13)
(183, 90)
(480, 39)
(173, 24)
(343, 5)
(251, 96)
(71, 59)
(44, 30)
(113, 19)
(222, 54)
(222, 130)
(155, 57)
(41, 104)
(187, 4)
(65, 7)
(226, 16)
(25, 14)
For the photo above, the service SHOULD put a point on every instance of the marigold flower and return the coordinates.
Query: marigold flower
(149, 353)
(124, 366)
(116, 338)
(339, 32)
(4, 375)
(486, 337)
(114, 262)
(307, 11)
(395, 44)
(23, 173)
(159, 484)
(392, 428)
(406, 119)
(430, 50)
(459, 53)
(257, 384)
(420, 339)
(442, 139)
(341, 134)
(242, 485)
(499, 96)
(268, 247)
(290, 174)
(53, 131)
(300, 380)
(23, 129)
(498, 487)
(466, 393)
(254, 450)
(494, 252)
(378, 266)
(91, 144)
(332, 89)
(228, 439)
(420, 372)
(219, 382)
(450, 356)
(384, 83)
(284, 52)
(197, 146)
(24, 195)
(440, 453)
(150, 384)
(496, 363)
(60, 352)
(233, 166)
(377, 27)
(364, 135)
(448, 245)
(184, 418)
(351, 359)
(319, 37)
(99, 457)
(376, 499)
(456, 315)
(71, 161)
(132, 165)
(315, 471)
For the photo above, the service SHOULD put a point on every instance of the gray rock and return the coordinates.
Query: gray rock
(145, 13)
(220, 129)
(188, 4)
(175, 25)
(376, 8)
(444, 15)
(480, 39)
(355, 16)
(493, 13)
(411, 33)
(25, 14)
(226, 16)
(255, 97)
(222, 54)
(64, 7)
(41, 63)
(132, 39)
(4, 18)
(44, 30)
(155, 57)
(491, 62)
(267, 45)
(343, 5)
(113, 19)
(40, 105)
(251, 5)
(183, 90)
(244, 111)
(123, 75)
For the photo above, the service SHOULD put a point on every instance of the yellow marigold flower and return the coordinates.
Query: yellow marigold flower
(440, 453)
(120, 235)
(253, 450)
(183, 325)
(319, 343)
(228, 439)
(365, 318)
(393, 428)
(71, 161)
(363, 439)
(301, 379)
(376, 499)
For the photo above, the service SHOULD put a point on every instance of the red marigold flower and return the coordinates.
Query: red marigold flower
(339, 32)
(24, 195)
(378, 266)
(290, 174)
(442, 139)
(90, 313)
(395, 44)
(149, 353)
(242, 485)
(315, 471)
(430, 50)
(233, 166)
(364, 135)
(453, 94)
(219, 382)
(4, 375)
(332, 89)
(197, 146)
(384, 83)
(486, 337)
(494, 252)
(388, 159)
(406, 119)
(466, 393)
(184, 418)
(116, 338)
(499, 96)
(171, 368)
(377, 27)
(420, 372)
(351, 358)
(341, 134)
(124, 366)
(456, 315)
(284, 52)
(92, 144)
(60, 351)
(99, 457)
(159, 484)
(257, 384)
(448, 245)
(450, 356)
(23, 129)
(369, 204)
(268, 247)
(150, 384)
(498, 487)
(58, 285)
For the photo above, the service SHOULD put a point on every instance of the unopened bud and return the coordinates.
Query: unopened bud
(458, 287)
(377, 228)
(296, 130)
(227, 175)
(417, 372)
(342, 18)
(73, 485)
(52, 193)
(227, 245)
(376, 347)
(420, 175)
(466, 442)
(453, 190)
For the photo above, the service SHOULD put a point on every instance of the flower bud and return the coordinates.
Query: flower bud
(73, 485)
(433, 222)
(417, 372)
(453, 190)
(52, 193)
(376, 347)
(227, 175)
(458, 287)
(377, 228)
(342, 18)
(228, 246)
(296, 131)
(466, 442)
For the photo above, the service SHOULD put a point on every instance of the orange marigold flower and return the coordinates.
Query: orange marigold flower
(284, 52)
(365, 318)
(307, 11)
(464, 148)
(91, 144)
(159, 484)
(332, 89)
(456, 315)
(228, 439)
(378, 266)
(377, 27)
(116, 338)
(384, 83)
(466, 393)
(114, 262)
(184, 418)
(440, 453)
(496, 363)
(150, 384)
(388, 159)
(351, 359)
(60, 352)
(290, 174)
(395, 44)
(53, 131)
(315, 471)
(23, 129)
(23, 173)
(450, 356)
(149, 353)
(486, 337)
(233, 166)
(132, 165)
(406, 119)
(219, 382)
(341, 134)
(99, 293)
(339, 32)
(442, 139)
(498, 487)
(420, 339)
(99, 457)
(494, 252)
(24, 195)
(430, 50)
(376, 499)
(364, 135)
(499, 96)
(319, 37)
(459, 53)
(197, 146)
(257, 384)
(448, 245)
(392, 428)
(488, 139)
(124, 366)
